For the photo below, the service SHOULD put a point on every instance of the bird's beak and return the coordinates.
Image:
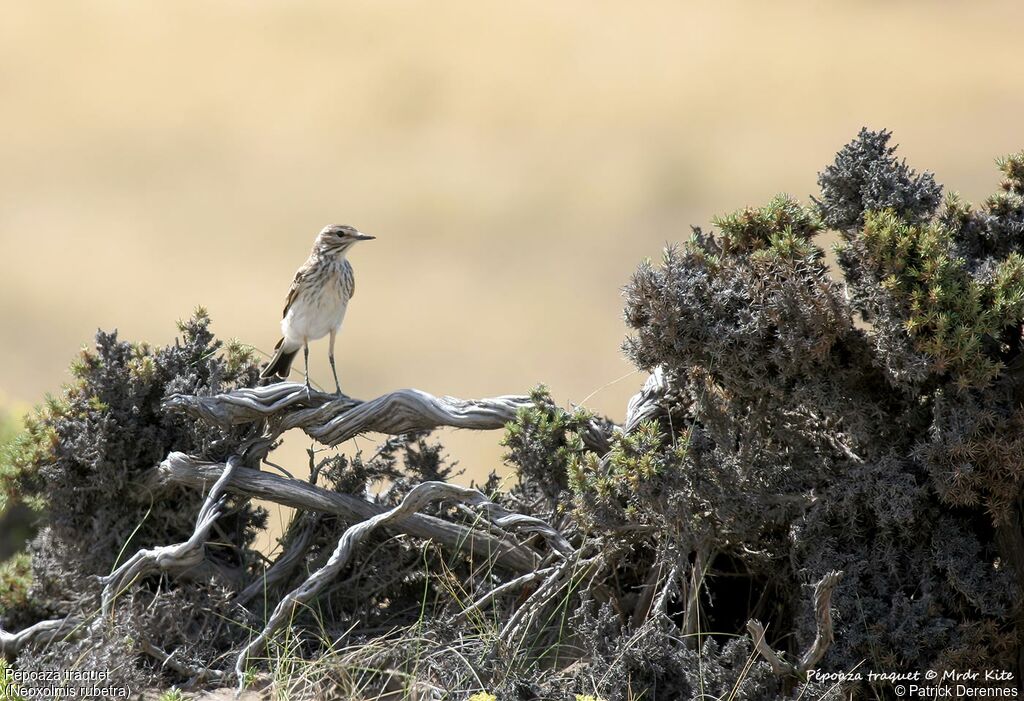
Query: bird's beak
(364, 237)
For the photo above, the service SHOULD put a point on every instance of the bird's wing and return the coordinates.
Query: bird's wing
(351, 280)
(293, 291)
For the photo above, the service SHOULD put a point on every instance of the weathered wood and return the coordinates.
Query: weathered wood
(823, 638)
(778, 665)
(824, 635)
(180, 469)
(518, 582)
(38, 634)
(333, 419)
(648, 403)
(286, 564)
(547, 593)
(180, 556)
(413, 410)
(193, 672)
(417, 499)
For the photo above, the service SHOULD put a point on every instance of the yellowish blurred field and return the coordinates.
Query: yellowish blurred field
(516, 161)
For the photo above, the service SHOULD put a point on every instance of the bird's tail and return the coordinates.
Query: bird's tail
(281, 363)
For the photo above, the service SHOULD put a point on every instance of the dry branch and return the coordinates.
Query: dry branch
(512, 585)
(778, 665)
(661, 603)
(549, 591)
(179, 557)
(420, 496)
(333, 419)
(823, 616)
(43, 632)
(180, 469)
(823, 590)
(648, 403)
(287, 563)
(193, 672)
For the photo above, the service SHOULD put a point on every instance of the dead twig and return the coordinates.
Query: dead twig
(333, 419)
(823, 638)
(778, 665)
(288, 561)
(823, 617)
(196, 674)
(505, 588)
(520, 622)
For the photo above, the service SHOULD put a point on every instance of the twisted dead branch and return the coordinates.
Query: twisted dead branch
(178, 557)
(180, 469)
(420, 496)
(547, 593)
(823, 638)
(757, 634)
(288, 561)
(333, 419)
(648, 403)
(823, 617)
(193, 672)
(505, 588)
(39, 634)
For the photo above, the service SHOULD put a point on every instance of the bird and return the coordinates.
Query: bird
(316, 301)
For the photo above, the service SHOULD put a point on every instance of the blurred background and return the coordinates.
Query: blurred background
(516, 161)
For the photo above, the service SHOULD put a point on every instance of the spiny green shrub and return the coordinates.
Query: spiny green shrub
(543, 442)
(955, 319)
(793, 439)
(866, 177)
(83, 461)
(889, 450)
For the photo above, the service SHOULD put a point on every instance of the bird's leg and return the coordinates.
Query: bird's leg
(305, 353)
(330, 356)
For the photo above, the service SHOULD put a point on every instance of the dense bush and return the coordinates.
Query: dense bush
(871, 427)
(83, 462)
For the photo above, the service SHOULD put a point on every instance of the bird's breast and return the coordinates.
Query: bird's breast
(320, 307)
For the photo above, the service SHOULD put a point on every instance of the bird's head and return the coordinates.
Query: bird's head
(336, 239)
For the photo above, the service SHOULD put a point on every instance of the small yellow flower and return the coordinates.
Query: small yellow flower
(482, 696)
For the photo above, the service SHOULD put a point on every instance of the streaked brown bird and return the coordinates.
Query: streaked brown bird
(317, 300)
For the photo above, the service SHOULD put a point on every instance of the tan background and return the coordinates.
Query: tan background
(516, 160)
